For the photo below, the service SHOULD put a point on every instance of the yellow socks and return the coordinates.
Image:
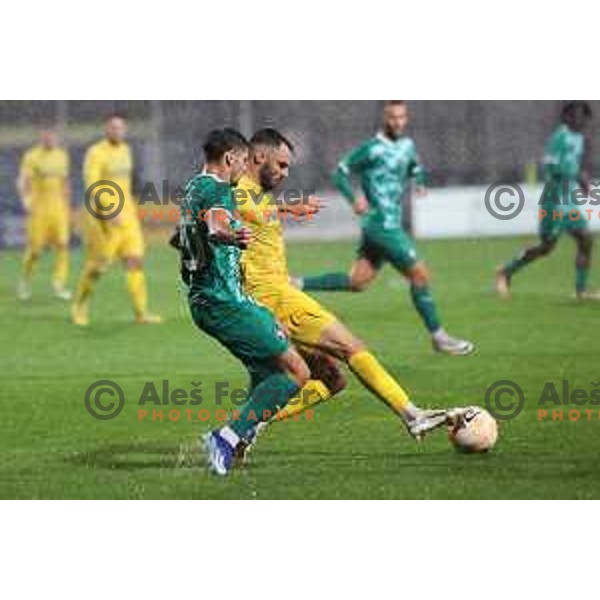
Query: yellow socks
(87, 279)
(29, 261)
(136, 284)
(309, 396)
(373, 376)
(61, 268)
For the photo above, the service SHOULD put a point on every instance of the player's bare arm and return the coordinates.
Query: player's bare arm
(220, 230)
(307, 208)
(24, 190)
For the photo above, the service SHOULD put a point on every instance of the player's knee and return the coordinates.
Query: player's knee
(419, 276)
(351, 347)
(361, 276)
(546, 247)
(134, 262)
(359, 285)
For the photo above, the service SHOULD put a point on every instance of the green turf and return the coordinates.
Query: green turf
(50, 447)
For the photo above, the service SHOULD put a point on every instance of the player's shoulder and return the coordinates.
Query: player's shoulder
(561, 134)
(208, 189)
(372, 147)
(97, 147)
(410, 142)
(63, 152)
(31, 154)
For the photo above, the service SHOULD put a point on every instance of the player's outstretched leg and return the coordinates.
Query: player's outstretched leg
(583, 261)
(361, 275)
(136, 286)
(422, 299)
(340, 342)
(274, 382)
(505, 274)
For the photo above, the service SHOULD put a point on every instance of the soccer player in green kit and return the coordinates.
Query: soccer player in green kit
(564, 177)
(210, 241)
(386, 165)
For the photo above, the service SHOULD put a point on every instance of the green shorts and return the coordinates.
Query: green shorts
(558, 213)
(393, 246)
(556, 219)
(249, 331)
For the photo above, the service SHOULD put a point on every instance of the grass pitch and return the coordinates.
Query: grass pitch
(50, 446)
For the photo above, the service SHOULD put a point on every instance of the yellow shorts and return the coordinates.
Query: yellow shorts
(47, 229)
(302, 316)
(105, 243)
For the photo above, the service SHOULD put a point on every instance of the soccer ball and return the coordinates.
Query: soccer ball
(474, 431)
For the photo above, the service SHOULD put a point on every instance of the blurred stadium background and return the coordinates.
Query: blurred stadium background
(465, 145)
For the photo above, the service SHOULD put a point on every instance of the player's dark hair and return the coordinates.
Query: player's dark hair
(272, 138)
(394, 103)
(115, 115)
(221, 141)
(575, 111)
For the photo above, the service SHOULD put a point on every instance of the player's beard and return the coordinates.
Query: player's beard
(393, 135)
(236, 178)
(267, 181)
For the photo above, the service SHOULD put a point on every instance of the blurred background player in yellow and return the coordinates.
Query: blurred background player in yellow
(108, 174)
(45, 192)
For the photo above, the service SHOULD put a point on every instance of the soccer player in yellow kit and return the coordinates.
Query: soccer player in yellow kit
(107, 174)
(43, 185)
(314, 330)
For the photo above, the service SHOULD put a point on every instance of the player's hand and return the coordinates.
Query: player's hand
(420, 191)
(243, 237)
(312, 205)
(307, 208)
(361, 206)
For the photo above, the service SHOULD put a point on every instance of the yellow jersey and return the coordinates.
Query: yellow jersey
(48, 170)
(264, 263)
(105, 161)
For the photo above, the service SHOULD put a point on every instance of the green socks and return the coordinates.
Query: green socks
(271, 394)
(423, 301)
(516, 265)
(332, 282)
(581, 279)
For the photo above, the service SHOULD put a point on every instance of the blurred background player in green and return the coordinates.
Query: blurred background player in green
(564, 180)
(386, 165)
(210, 240)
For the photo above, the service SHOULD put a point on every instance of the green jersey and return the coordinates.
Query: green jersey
(564, 155)
(211, 269)
(385, 168)
(563, 162)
